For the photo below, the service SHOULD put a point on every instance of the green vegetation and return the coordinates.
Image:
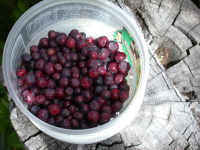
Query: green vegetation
(10, 11)
(8, 137)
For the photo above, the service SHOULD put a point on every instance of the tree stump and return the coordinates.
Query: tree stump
(168, 119)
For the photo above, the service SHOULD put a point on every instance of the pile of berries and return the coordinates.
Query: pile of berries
(73, 81)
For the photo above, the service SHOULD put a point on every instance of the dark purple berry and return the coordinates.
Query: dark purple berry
(38, 74)
(84, 71)
(106, 94)
(65, 112)
(67, 124)
(61, 59)
(39, 64)
(124, 67)
(53, 59)
(87, 95)
(120, 56)
(29, 98)
(63, 82)
(35, 55)
(21, 72)
(66, 50)
(61, 38)
(34, 109)
(52, 34)
(116, 106)
(41, 82)
(98, 90)
(44, 55)
(20, 82)
(30, 79)
(93, 54)
(59, 120)
(78, 115)
(51, 84)
(102, 70)
(89, 40)
(94, 105)
(99, 80)
(102, 41)
(69, 91)
(75, 34)
(75, 82)
(26, 58)
(115, 94)
(49, 68)
(85, 82)
(51, 51)
(93, 73)
(66, 72)
(40, 99)
(54, 109)
(80, 44)
(124, 86)
(119, 78)
(109, 80)
(112, 46)
(104, 53)
(34, 49)
(106, 109)
(85, 108)
(52, 43)
(77, 91)
(113, 67)
(56, 76)
(59, 92)
(124, 95)
(49, 93)
(66, 104)
(83, 35)
(44, 42)
(101, 101)
(113, 86)
(72, 109)
(75, 123)
(74, 56)
(51, 121)
(70, 43)
(104, 117)
(43, 114)
(93, 116)
(78, 99)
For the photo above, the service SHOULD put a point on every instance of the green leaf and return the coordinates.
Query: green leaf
(16, 13)
(13, 141)
(1, 51)
(21, 6)
(126, 37)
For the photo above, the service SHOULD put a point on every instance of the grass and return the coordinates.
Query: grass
(11, 10)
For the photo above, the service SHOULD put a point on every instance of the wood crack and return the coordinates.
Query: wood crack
(179, 12)
(189, 68)
(139, 14)
(186, 129)
(131, 146)
(159, 6)
(108, 145)
(189, 36)
(39, 132)
(187, 147)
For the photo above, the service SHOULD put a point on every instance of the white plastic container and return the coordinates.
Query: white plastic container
(96, 18)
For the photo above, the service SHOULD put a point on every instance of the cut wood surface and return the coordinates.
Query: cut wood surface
(170, 115)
